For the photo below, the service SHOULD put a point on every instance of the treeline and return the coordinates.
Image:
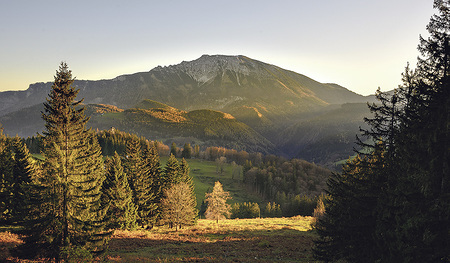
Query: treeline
(110, 141)
(295, 185)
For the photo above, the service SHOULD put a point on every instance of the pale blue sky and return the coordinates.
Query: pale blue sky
(358, 44)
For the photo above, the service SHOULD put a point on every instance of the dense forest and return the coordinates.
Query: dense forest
(392, 203)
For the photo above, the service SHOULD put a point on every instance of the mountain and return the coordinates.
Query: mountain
(274, 103)
(210, 82)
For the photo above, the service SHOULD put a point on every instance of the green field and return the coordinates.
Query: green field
(205, 175)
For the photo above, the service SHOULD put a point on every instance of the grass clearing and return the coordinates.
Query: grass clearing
(237, 240)
(231, 240)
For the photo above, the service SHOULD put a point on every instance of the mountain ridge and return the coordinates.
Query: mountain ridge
(269, 104)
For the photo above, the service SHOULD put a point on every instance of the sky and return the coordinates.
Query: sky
(358, 44)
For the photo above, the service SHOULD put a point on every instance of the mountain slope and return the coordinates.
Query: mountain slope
(275, 110)
(210, 82)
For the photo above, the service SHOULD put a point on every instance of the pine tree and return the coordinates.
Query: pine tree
(122, 212)
(184, 177)
(348, 226)
(217, 206)
(71, 215)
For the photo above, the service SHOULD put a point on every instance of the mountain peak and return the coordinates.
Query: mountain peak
(208, 66)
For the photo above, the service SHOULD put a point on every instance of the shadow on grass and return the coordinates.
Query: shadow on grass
(285, 245)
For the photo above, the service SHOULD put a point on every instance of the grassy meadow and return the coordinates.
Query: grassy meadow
(231, 240)
(204, 175)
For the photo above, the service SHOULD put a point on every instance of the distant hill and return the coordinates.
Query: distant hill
(157, 121)
(269, 105)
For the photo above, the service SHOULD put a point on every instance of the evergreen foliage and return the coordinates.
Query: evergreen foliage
(122, 212)
(140, 182)
(69, 210)
(272, 209)
(156, 180)
(25, 172)
(245, 210)
(173, 149)
(393, 205)
(171, 172)
(187, 151)
(6, 179)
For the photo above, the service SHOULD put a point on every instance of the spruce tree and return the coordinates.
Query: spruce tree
(153, 166)
(171, 172)
(71, 215)
(122, 212)
(25, 172)
(6, 178)
(140, 182)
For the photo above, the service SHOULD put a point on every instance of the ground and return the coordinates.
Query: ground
(237, 240)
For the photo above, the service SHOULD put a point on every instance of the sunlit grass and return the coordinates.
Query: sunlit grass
(231, 240)
(237, 240)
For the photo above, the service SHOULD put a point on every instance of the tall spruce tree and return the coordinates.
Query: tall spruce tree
(171, 172)
(153, 166)
(140, 182)
(25, 172)
(6, 178)
(71, 215)
(122, 212)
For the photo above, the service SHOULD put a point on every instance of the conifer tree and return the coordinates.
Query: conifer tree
(25, 172)
(140, 182)
(6, 178)
(406, 194)
(171, 172)
(122, 212)
(185, 177)
(348, 227)
(187, 151)
(153, 166)
(71, 215)
(173, 149)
